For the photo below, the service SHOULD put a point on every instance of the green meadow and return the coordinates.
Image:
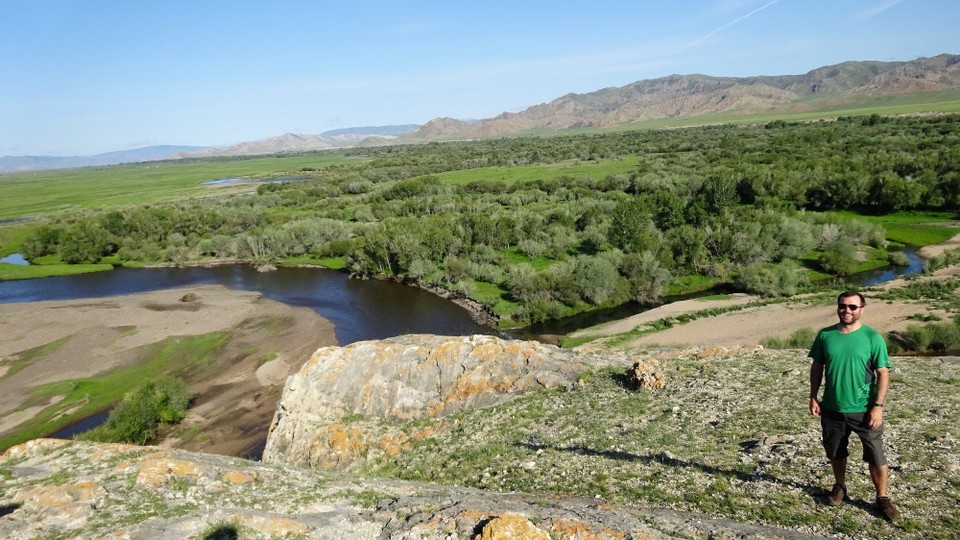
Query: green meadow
(48, 192)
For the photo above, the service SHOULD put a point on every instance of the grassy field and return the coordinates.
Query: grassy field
(45, 192)
(519, 173)
(914, 228)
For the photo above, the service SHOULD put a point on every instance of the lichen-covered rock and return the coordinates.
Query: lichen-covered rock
(646, 374)
(407, 377)
(512, 526)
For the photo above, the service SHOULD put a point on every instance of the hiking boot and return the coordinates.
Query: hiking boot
(888, 509)
(837, 495)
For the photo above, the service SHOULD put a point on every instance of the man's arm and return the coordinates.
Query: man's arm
(875, 414)
(816, 378)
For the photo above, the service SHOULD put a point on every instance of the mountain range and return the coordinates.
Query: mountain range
(665, 98)
(39, 163)
(679, 96)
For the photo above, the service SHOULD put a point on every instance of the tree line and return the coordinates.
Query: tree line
(745, 205)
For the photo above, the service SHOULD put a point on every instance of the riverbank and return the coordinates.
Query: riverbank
(236, 388)
(744, 321)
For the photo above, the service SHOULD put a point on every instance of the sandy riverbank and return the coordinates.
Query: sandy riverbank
(747, 326)
(234, 400)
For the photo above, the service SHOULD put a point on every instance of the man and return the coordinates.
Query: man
(853, 359)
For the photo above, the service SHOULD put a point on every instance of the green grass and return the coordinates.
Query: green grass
(177, 356)
(494, 295)
(691, 284)
(914, 228)
(12, 237)
(45, 192)
(515, 257)
(334, 263)
(34, 271)
(597, 170)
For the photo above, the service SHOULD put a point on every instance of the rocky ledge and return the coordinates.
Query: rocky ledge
(64, 489)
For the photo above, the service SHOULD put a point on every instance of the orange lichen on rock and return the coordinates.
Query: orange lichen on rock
(159, 471)
(66, 502)
(272, 527)
(513, 526)
(238, 478)
(569, 529)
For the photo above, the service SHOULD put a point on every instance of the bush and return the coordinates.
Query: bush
(897, 258)
(136, 419)
(768, 280)
(839, 258)
(799, 339)
(943, 336)
(916, 338)
(893, 346)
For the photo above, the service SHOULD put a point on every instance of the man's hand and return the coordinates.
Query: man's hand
(875, 417)
(814, 406)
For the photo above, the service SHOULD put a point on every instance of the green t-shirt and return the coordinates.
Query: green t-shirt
(850, 361)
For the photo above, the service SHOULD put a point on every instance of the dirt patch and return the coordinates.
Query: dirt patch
(935, 250)
(235, 396)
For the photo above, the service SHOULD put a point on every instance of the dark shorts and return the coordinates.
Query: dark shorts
(836, 434)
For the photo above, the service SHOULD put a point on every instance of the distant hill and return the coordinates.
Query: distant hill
(295, 142)
(372, 130)
(692, 95)
(39, 163)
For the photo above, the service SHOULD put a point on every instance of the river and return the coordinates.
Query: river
(360, 309)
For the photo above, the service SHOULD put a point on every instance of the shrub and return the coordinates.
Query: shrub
(916, 338)
(768, 280)
(943, 336)
(839, 258)
(893, 345)
(136, 419)
(897, 258)
(799, 339)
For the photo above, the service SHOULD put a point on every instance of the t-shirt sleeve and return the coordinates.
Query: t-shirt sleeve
(816, 350)
(879, 356)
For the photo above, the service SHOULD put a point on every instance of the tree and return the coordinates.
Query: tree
(596, 278)
(630, 226)
(645, 275)
(86, 242)
(839, 258)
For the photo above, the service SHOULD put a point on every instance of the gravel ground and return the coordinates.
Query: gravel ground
(729, 436)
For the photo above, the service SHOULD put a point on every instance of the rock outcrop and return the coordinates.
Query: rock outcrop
(53, 488)
(403, 378)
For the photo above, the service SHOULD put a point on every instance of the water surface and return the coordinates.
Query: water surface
(360, 309)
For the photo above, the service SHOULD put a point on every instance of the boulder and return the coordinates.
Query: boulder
(405, 378)
(646, 374)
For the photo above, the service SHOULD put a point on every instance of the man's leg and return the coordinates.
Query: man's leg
(839, 466)
(877, 463)
(835, 437)
(878, 473)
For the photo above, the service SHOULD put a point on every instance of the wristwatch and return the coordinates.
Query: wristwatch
(878, 405)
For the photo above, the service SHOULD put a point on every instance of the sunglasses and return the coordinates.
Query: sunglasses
(851, 307)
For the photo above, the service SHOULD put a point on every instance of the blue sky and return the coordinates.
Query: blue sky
(88, 76)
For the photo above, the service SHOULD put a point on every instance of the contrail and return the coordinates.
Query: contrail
(728, 25)
(877, 9)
